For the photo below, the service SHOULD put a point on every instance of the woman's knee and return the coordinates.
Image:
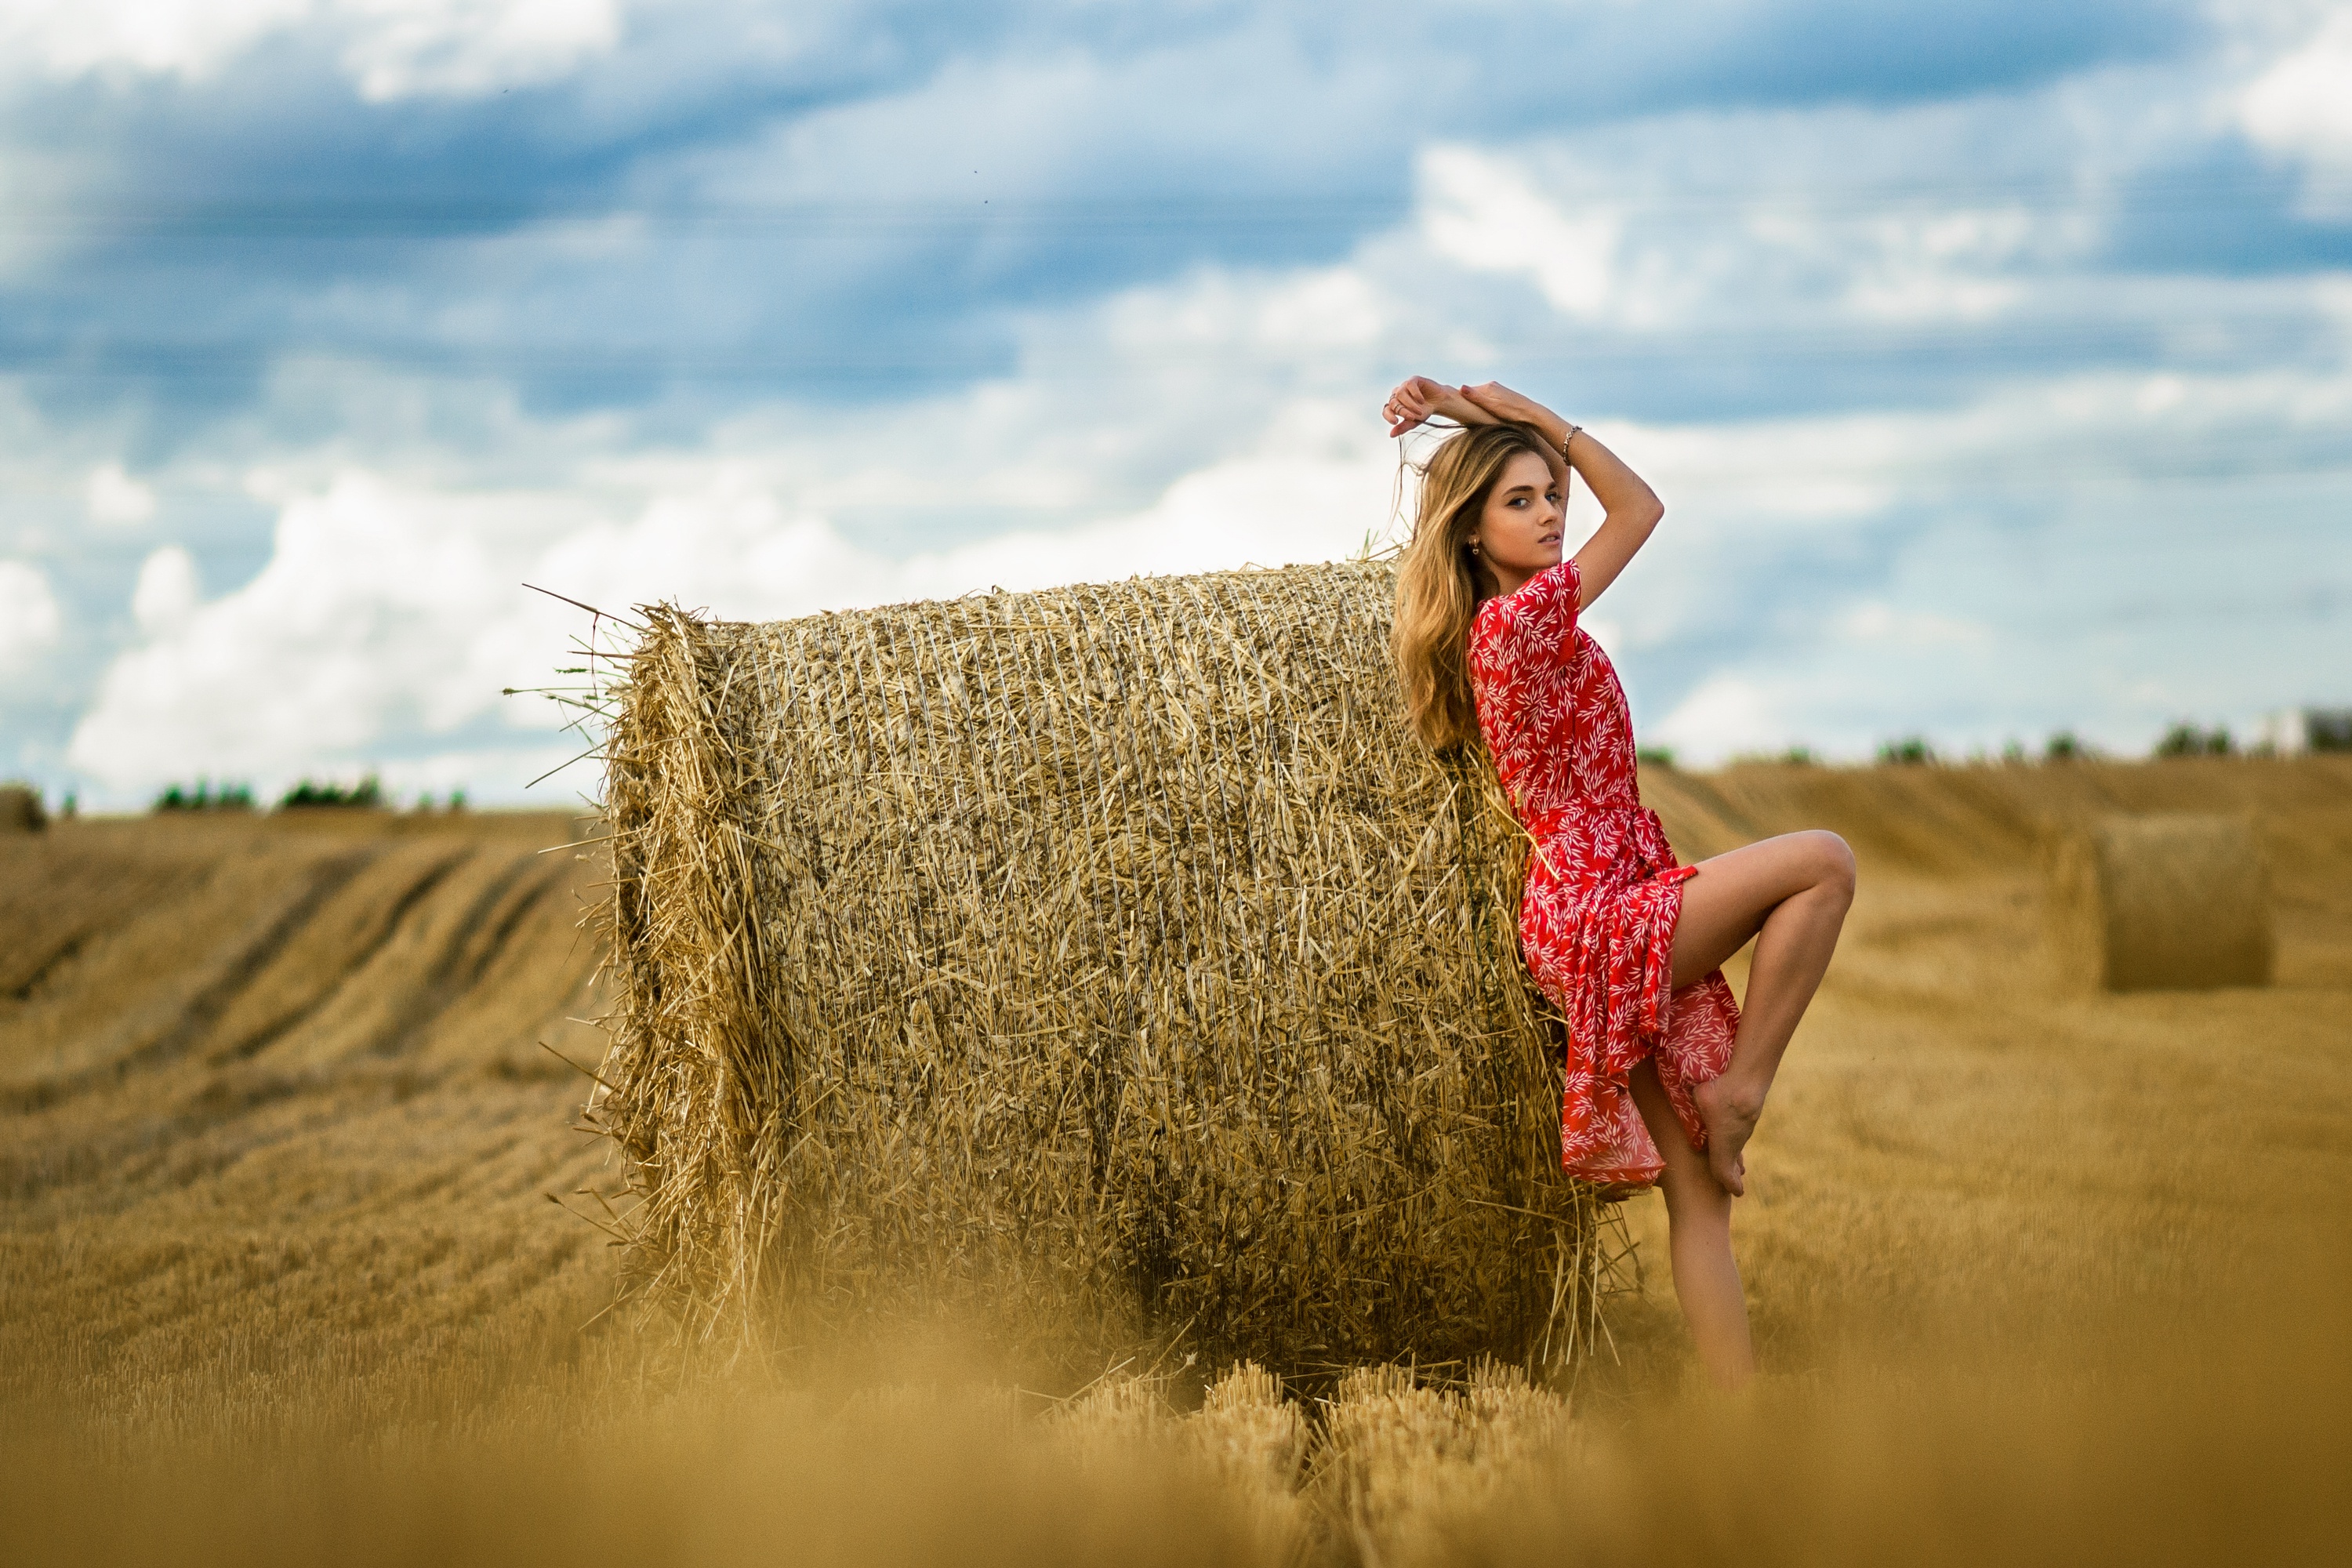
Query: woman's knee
(1832, 861)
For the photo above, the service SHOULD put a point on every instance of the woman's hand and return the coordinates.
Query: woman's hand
(1419, 399)
(1499, 403)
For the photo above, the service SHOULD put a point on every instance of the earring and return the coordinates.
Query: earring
(1473, 547)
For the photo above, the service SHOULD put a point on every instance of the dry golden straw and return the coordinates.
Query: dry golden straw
(2162, 903)
(1106, 954)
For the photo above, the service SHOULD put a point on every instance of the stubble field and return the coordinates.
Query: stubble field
(2038, 1274)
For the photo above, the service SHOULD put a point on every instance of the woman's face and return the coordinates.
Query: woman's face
(1518, 534)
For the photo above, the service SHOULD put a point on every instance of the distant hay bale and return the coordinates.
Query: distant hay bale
(1110, 953)
(2162, 903)
(20, 809)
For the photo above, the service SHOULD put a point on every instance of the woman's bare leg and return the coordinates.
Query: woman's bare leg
(1698, 1240)
(1790, 894)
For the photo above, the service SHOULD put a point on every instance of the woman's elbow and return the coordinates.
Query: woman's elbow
(1641, 515)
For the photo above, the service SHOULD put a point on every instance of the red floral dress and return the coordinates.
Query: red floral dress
(1605, 891)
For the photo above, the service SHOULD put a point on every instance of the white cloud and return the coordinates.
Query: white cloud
(1291, 316)
(1946, 265)
(187, 39)
(728, 546)
(114, 497)
(392, 48)
(363, 624)
(388, 616)
(29, 617)
(1797, 223)
(461, 47)
(733, 547)
(2302, 105)
(1483, 211)
(167, 593)
(1264, 511)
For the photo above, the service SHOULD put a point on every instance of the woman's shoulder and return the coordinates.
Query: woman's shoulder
(1541, 592)
(1562, 576)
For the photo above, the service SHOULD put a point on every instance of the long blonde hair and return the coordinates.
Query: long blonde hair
(1440, 584)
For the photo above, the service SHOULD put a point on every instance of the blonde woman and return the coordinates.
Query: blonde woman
(1666, 1075)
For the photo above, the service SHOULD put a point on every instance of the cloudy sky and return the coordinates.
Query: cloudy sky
(1995, 361)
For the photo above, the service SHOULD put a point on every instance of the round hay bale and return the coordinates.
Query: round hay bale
(20, 809)
(1106, 955)
(2162, 903)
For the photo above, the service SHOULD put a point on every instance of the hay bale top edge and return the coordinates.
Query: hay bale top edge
(1147, 584)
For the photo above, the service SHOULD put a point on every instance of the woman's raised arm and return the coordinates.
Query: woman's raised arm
(1630, 507)
(1418, 399)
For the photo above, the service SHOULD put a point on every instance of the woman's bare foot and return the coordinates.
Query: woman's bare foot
(1730, 1118)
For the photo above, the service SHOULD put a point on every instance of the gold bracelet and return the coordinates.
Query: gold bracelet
(1573, 432)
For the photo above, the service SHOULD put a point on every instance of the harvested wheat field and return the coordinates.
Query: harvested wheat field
(2040, 1272)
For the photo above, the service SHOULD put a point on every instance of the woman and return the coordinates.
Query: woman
(1665, 1074)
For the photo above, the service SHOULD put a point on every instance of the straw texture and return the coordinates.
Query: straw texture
(2162, 903)
(1107, 952)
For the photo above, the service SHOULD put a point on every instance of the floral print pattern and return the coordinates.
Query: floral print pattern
(1604, 890)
